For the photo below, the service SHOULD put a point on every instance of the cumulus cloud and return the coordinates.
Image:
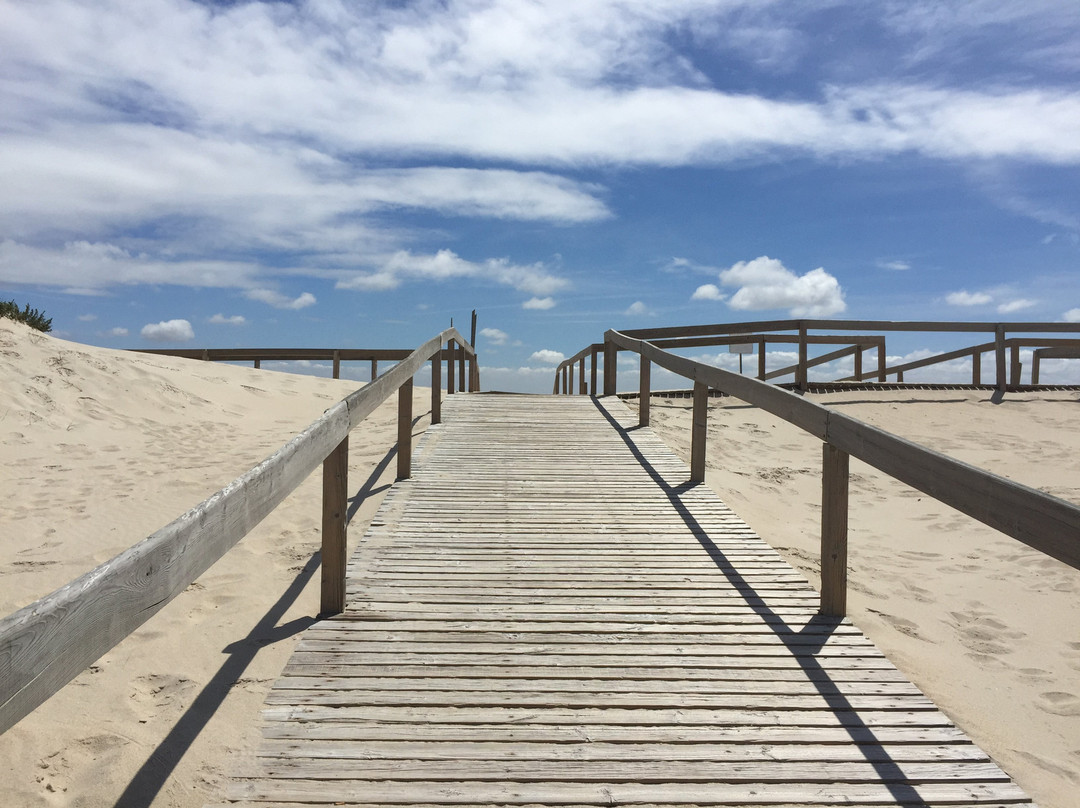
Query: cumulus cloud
(966, 298)
(708, 291)
(115, 332)
(279, 301)
(1016, 305)
(168, 331)
(636, 309)
(547, 356)
(765, 283)
(495, 336)
(1071, 316)
(539, 303)
(221, 319)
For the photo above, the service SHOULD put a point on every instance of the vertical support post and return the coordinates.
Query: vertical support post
(472, 334)
(699, 432)
(450, 368)
(761, 358)
(1035, 368)
(461, 368)
(565, 380)
(976, 368)
(474, 375)
(404, 430)
(899, 376)
(611, 354)
(258, 364)
(337, 364)
(800, 371)
(206, 355)
(834, 529)
(334, 537)
(1014, 365)
(374, 369)
(582, 390)
(999, 351)
(592, 372)
(643, 392)
(881, 361)
(858, 362)
(436, 387)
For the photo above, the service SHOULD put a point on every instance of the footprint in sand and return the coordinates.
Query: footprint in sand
(982, 633)
(900, 624)
(1058, 702)
(162, 690)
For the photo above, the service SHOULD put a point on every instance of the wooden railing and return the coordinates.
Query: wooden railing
(1041, 521)
(1006, 349)
(46, 644)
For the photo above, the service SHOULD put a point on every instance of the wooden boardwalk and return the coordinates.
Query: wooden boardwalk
(547, 614)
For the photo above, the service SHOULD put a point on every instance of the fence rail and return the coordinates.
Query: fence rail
(1041, 521)
(46, 644)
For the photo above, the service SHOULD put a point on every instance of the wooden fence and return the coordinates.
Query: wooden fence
(1005, 348)
(1041, 521)
(46, 644)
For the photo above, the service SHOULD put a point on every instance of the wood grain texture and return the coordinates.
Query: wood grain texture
(547, 614)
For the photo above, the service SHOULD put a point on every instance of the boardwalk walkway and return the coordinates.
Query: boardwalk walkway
(546, 614)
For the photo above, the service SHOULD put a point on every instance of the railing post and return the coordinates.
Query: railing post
(800, 371)
(976, 368)
(436, 387)
(404, 431)
(555, 386)
(592, 372)
(374, 369)
(450, 367)
(565, 380)
(611, 354)
(644, 390)
(999, 351)
(858, 362)
(474, 375)
(699, 432)
(582, 390)
(337, 364)
(334, 537)
(761, 358)
(258, 364)
(1035, 368)
(881, 361)
(1015, 370)
(461, 368)
(834, 528)
(899, 376)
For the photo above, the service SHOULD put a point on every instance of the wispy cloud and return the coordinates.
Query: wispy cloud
(221, 319)
(966, 298)
(272, 297)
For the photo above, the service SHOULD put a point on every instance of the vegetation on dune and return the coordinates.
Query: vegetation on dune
(32, 317)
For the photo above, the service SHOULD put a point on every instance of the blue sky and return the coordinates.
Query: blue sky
(177, 173)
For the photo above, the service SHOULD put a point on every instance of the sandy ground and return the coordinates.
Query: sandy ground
(101, 448)
(987, 627)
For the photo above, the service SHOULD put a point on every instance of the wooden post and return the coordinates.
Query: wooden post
(858, 363)
(899, 376)
(404, 430)
(1014, 365)
(834, 528)
(592, 372)
(450, 368)
(999, 351)
(1035, 368)
(461, 369)
(565, 380)
(258, 364)
(474, 375)
(206, 355)
(334, 537)
(643, 392)
(436, 387)
(976, 368)
(337, 364)
(761, 358)
(881, 361)
(582, 389)
(699, 432)
(374, 369)
(800, 371)
(611, 355)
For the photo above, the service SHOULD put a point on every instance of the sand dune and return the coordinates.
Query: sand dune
(100, 449)
(989, 628)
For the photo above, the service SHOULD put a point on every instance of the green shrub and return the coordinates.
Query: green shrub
(32, 317)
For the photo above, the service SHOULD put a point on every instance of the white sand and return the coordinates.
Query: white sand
(987, 627)
(101, 448)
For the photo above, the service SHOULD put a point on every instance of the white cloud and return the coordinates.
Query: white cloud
(495, 336)
(539, 303)
(966, 298)
(280, 301)
(678, 265)
(547, 356)
(1071, 316)
(116, 332)
(221, 319)
(87, 318)
(708, 291)
(636, 309)
(895, 266)
(168, 331)
(765, 283)
(1016, 305)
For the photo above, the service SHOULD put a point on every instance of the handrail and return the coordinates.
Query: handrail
(1041, 521)
(46, 644)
